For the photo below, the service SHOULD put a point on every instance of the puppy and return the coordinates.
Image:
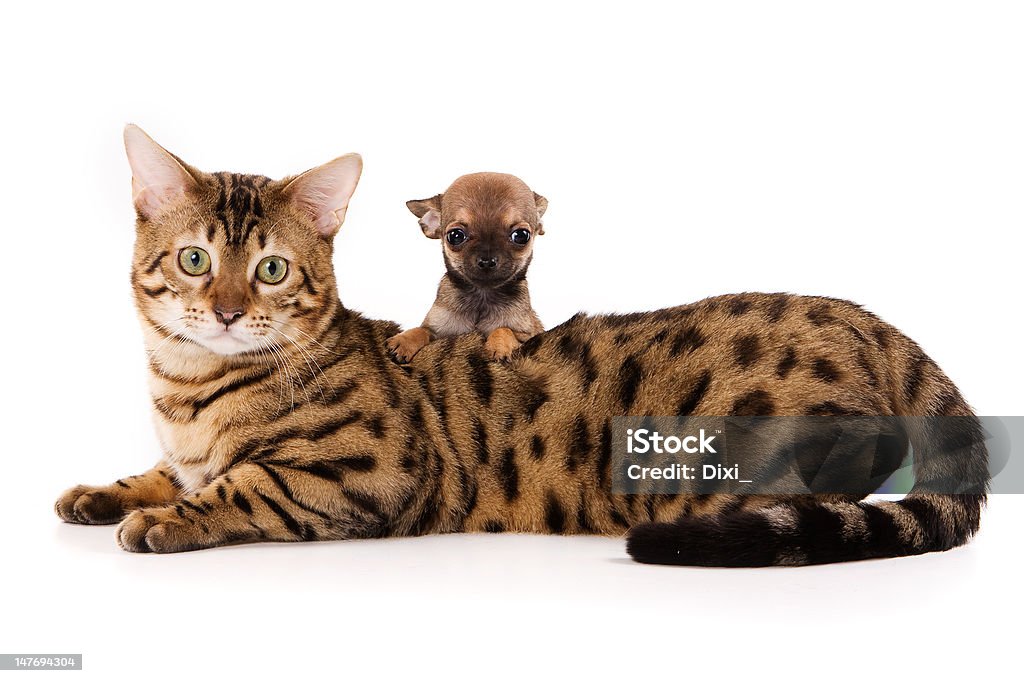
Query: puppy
(486, 223)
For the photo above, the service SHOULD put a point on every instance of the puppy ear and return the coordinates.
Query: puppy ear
(429, 213)
(323, 193)
(542, 206)
(159, 178)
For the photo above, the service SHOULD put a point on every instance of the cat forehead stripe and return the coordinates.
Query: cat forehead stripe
(239, 207)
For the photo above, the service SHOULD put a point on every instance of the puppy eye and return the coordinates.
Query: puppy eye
(520, 236)
(456, 236)
(194, 261)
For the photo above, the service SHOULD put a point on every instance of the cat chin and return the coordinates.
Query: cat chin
(227, 345)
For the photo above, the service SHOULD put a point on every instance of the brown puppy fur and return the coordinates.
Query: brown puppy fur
(486, 223)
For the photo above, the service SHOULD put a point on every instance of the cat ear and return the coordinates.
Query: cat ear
(429, 213)
(542, 206)
(322, 193)
(158, 177)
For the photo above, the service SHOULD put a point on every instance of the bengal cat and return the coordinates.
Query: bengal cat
(282, 418)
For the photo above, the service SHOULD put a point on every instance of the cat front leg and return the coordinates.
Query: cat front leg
(109, 504)
(259, 501)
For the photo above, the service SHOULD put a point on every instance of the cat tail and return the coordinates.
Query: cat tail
(942, 510)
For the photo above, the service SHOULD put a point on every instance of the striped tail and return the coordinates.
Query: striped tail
(942, 511)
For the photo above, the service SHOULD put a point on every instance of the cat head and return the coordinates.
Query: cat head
(235, 263)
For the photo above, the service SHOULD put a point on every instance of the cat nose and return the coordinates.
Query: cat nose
(226, 316)
(487, 263)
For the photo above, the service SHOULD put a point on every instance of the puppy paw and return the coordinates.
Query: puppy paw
(405, 345)
(501, 343)
(89, 505)
(401, 350)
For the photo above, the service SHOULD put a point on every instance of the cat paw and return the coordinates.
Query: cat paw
(89, 505)
(157, 530)
(501, 343)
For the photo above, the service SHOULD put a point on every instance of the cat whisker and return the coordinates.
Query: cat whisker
(307, 357)
(308, 336)
(281, 373)
(295, 373)
(278, 350)
(173, 335)
(263, 357)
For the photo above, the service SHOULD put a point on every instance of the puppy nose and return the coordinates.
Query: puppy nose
(487, 263)
(226, 316)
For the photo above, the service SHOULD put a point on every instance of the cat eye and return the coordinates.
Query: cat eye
(194, 261)
(456, 236)
(272, 269)
(520, 236)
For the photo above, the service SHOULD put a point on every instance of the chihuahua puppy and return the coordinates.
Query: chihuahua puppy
(486, 223)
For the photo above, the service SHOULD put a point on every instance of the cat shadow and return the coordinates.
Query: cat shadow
(93, 538)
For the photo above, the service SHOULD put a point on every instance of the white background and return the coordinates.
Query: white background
(868, 150)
